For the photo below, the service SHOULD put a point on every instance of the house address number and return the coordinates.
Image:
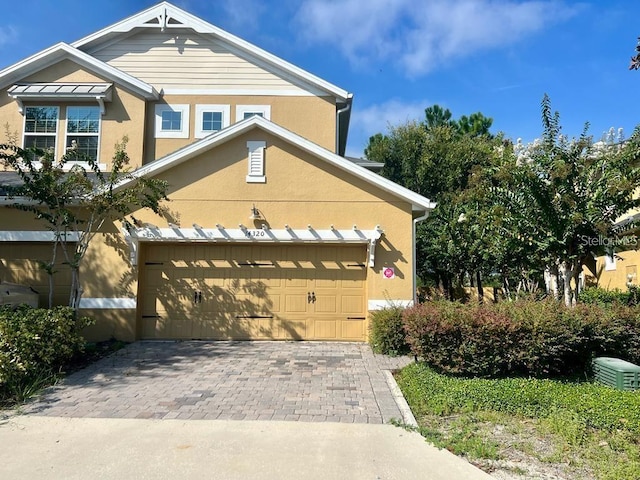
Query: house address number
(257, 233)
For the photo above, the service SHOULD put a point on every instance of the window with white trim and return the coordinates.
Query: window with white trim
(40, 127)
(211, 118)
(246, 111)
(83, 131)
(256, 162)
(610, 261)
(172, 121)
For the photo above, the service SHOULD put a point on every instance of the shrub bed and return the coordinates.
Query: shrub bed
(599, 406)
(530, 338)
(386, 332)
(35, 344)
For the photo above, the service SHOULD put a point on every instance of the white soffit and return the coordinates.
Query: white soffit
(167, 16)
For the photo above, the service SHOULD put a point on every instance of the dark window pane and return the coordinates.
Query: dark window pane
(171, 121)
(211, 121)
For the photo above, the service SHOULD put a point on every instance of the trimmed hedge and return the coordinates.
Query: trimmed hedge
(36, 343)
(530, 338)
(386, 332)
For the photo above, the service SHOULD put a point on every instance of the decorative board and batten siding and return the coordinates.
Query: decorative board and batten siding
(163, 59)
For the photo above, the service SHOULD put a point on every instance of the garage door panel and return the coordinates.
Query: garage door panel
(354, 329)
(256, 292)
(326, 304)
(352, 304)
(325, 329)
(295, 303)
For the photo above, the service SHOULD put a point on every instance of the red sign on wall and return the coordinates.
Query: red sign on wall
(389, 273)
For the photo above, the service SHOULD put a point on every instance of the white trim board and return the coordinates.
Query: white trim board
(33, 236)
(108, 303)
(388, 303)
(220, 234)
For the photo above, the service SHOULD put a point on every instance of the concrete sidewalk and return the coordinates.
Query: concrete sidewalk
(80, 448)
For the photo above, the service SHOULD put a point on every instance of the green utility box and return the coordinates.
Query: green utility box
(617, 373)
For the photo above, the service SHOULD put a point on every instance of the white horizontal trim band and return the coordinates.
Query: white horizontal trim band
(33, 236)
(254, 235)
(108, 303)
(388, 303)
(240, 91)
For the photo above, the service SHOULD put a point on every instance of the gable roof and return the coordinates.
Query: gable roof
(418, 202)
(166, 16)
(64, 51)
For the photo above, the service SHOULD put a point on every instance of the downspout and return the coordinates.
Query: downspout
(415, 256)
(339, 114)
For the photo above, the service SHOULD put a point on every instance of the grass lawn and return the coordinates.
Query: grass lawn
(529, 428)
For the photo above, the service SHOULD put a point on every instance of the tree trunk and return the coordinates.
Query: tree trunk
(567, 275)
(480, 289)
(75, 294)
(507, 288)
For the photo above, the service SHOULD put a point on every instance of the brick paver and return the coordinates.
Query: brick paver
(297, 381)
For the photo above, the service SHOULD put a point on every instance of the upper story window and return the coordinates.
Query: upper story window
(246, 111)
(40, 127)
(83, 130)
(172, 121)
(211, 118)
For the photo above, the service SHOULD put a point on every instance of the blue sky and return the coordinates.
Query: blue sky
(399, 56)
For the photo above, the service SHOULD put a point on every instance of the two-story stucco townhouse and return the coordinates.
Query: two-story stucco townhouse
(270, 232)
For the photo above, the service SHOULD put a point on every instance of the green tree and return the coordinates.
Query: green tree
(80, 200)
(566, 193)
(437, 158)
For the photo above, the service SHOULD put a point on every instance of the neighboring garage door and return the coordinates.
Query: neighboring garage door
(20, 263)
(308, 292)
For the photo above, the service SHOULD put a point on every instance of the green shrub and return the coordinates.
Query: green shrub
(601, 296)
(526, 337)
(386, 332)
(36, 343)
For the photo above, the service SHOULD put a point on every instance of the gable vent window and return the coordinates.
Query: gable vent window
(256, 162)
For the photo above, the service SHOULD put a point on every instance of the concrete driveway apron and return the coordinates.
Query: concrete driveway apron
(297, 381)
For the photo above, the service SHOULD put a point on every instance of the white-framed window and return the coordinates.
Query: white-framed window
(41, 127)
(211, 118)
(610, 262)
(83, 130)
(256, 162)
(246, 111)
(172, 121)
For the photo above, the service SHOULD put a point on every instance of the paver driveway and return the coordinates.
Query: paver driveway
(304, 381)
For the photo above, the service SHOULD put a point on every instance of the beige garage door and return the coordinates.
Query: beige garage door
(20, 263)
(253, 292)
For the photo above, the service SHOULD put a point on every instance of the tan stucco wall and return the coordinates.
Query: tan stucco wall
(211, 188)
(125, 114)
(313, 118)
(627, 263)
(299, 190)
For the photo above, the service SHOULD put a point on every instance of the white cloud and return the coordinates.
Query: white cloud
(376, 118)
(419, 35)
